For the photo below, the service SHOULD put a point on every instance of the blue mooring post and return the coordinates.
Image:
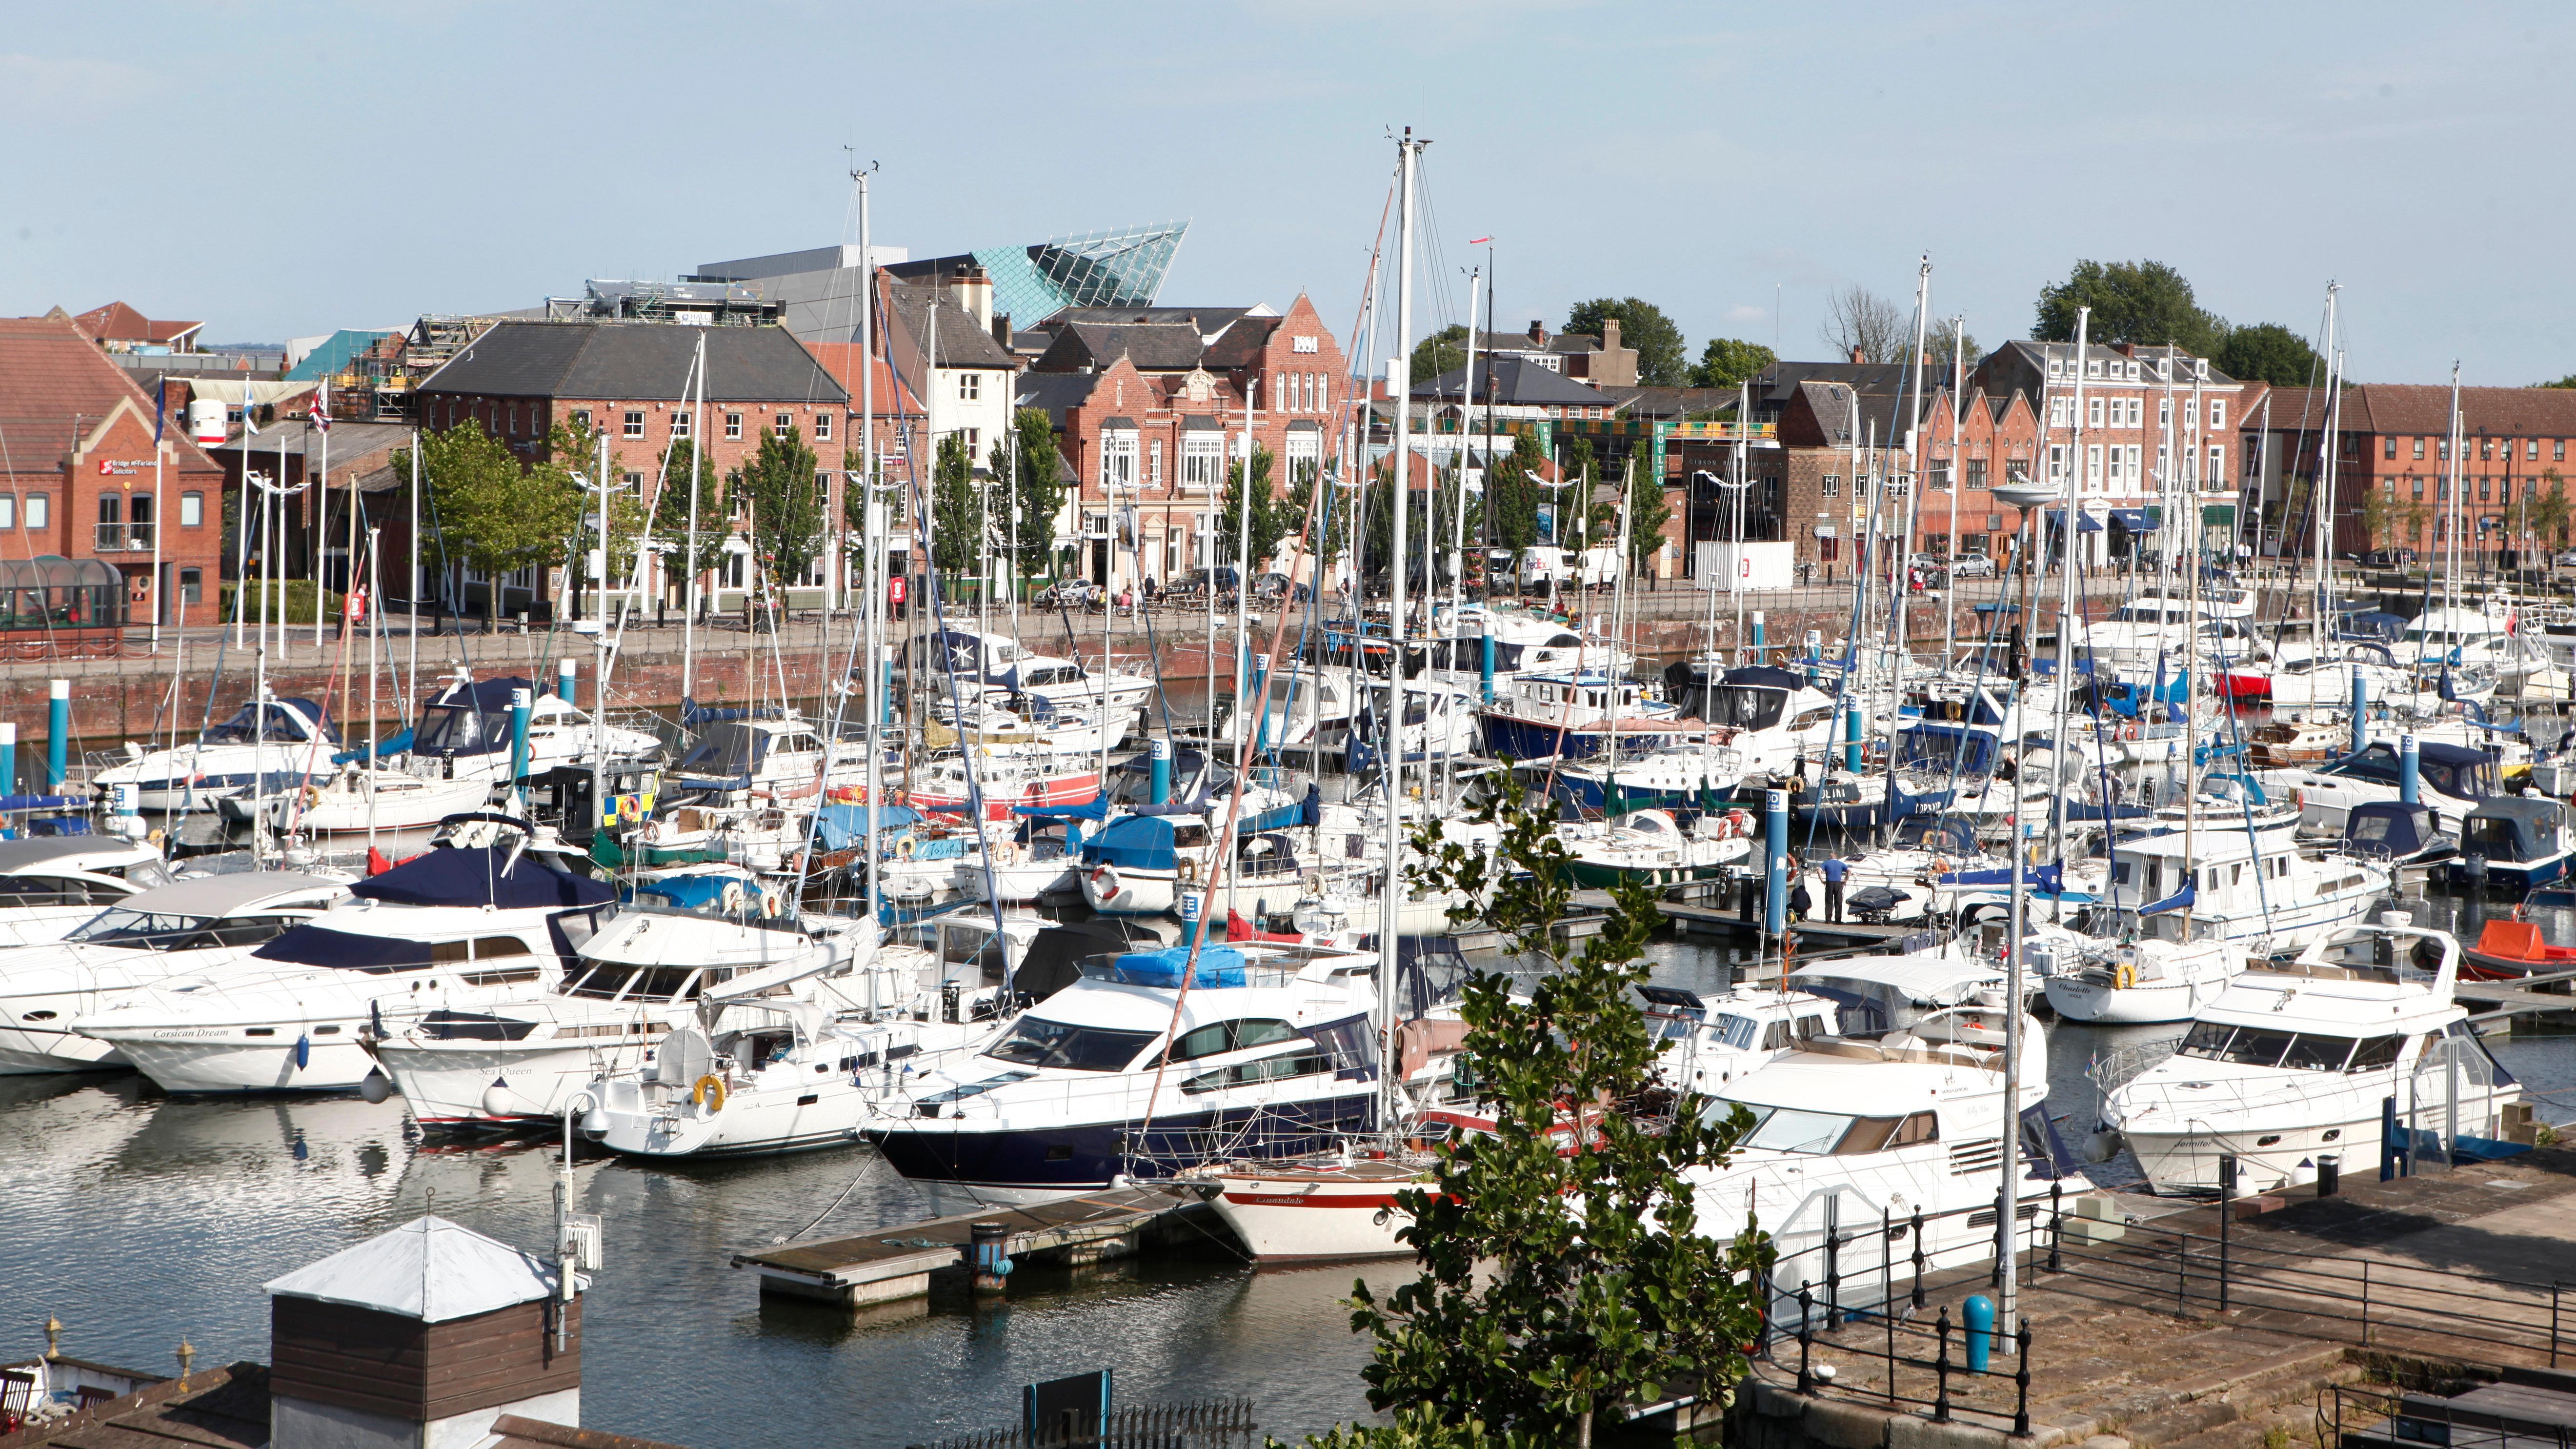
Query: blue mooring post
(1978, 1318)
(1193, 913)
(58, 735)
(1760, 645)
(568, 680)
(519, 710)
(1163, 771)
(1852, 736)
(1260, 678)
(8, 759)
(2410, 770)
(2360, 710)
(885, 687)
(1775, 819)
(1485, 665)
(990, 1247)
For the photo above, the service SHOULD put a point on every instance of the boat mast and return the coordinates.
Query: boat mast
(1399, 368)
(2328, 444)
(1958, 467)
(2070, 520)
(689, 551)
(1913, 473)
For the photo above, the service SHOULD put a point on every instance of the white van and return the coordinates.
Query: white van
(1594, 568)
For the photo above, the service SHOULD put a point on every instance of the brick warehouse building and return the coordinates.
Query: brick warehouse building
(2393, 441)
(1997, 439)
(631, 380)
(1153, 412)
(78, 481)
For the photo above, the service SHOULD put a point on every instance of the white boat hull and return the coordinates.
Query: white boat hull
(1314, 1222)
(183, 1060)
(452, 1088)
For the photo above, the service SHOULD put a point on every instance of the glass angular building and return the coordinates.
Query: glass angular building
(817, 291)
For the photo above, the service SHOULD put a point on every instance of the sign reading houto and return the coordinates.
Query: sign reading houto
(123, 467)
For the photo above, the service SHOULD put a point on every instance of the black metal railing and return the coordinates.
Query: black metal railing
(2365, 1416)
(1203, 1424)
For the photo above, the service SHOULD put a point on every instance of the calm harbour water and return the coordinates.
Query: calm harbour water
(139, 1219)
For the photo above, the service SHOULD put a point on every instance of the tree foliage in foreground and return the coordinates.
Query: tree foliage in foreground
(495, 514)
(1556, 1284)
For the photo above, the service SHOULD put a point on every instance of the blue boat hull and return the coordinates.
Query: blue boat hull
(1085, 1156)
(1509, 736)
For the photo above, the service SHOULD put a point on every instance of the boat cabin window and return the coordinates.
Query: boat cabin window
(142, 875)
(143, 931)
(1037, 1042)
(1738, 1031)
(42, 890)
(2492, 836)
(1219, 1037)
(2254, 1047)
(247, 726)
(1268, 1069)
(480, 948)
(1792, 1129)
(2376, 1052)
(1775, 1037)
(760, 1048)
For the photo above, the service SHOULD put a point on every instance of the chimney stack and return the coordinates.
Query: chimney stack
(1858, 356)
(972, 293)
(1538, 332)
(1609, 334)
(418, 1339)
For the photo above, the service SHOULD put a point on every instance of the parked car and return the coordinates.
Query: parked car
(1972, 566)
(1193, 583)
(2398, 558)
(2566, 560)
(1278, 585)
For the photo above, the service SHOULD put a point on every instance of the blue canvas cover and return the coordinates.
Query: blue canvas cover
(1140, 842)
(841, 826)
(1219, 966)
(453, 876)
(1095, 808)
(469, 717)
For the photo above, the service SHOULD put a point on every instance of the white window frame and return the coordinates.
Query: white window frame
(1202, 461)
(1118, 459)
(2217, 413)
(40, 511)
(2092, 465)
(733, 426)
(634, 424)
(680, 420)
(192, 511)
(822, 427)
(970, 387)
(782, 423)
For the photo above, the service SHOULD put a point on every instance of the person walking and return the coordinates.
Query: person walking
(1835, 870)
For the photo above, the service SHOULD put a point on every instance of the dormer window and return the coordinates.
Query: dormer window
(2055, 367)
(2093, 367)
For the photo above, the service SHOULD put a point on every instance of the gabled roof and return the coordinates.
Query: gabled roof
(1206, 321)
(633, 360)
(1514, 382)
(429, 1269)
(56, 388)
(1241, 343)
(117, 322)
(962, 343)
(1053, 391)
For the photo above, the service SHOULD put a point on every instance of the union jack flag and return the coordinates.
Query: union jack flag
(322, 408)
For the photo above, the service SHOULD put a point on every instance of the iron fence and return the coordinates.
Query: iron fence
(1203, 1424)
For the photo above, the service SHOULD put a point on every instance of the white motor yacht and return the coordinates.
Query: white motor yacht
(639, 976)
(456, 928)
(1270, 1054)
(2291, 1062)
(747, 762)
(464, 732)
(1707, 1043)
(1849, 1134)
(2451, 778)
(200, 924)
(52, 884)
(355, 800)
(2252, 893)
(270, 745)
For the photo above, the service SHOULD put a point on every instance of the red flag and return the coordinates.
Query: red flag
(376, 862)
(1477, 241)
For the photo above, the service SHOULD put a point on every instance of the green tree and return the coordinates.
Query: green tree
(786, 497)
(2270, 352)
(957, 512)
(1647, 512)
(2147, 303)
(1514, 485)
(1038, 486)
(1726, 361)
(1556, 1284)
(1271, 518)
(1643, 326)
(689, 554)
(575, 448)
(1327, 538)
(2547, 510)
(1442, 352)
(2568, 381)
(495, 514)
(1939, 345)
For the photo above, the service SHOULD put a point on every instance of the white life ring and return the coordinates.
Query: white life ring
(730, 898)
(1189, 872)
(769, 903)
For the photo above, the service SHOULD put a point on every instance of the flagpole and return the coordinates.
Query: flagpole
(160, 417)
(241, 519)
(321, 509)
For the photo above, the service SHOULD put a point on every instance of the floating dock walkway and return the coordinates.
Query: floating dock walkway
(898, 1262)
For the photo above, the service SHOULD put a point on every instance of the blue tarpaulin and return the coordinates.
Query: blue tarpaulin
(1139, 842)
(1219, 966)
(1095, 808)
(481, 876)
(2189, 893)
(841, 826)
(385, 749)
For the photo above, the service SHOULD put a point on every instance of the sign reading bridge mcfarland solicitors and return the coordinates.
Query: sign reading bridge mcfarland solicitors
(123, 467)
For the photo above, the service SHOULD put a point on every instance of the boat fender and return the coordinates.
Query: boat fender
(2102, 1146)
(304, 1051)
(1189, 872)
(708, 1092)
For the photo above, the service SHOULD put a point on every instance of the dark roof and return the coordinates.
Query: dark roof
(1054, 391)
(223, 1409)
(1670, 402)
(1515, 382)
(1203, 320)
(1241, 343)
(1152, 347)
(637, 360)
(349, 441)
(1831, 404)
(1773, 385)
(963, 342)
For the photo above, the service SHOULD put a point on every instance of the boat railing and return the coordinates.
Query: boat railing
(2109, 1071)
(1204, 1424)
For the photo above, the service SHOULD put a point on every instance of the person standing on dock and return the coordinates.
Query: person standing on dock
(1835, 870)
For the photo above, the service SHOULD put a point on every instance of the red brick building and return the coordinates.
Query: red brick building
(632, 381)
(2393, 468)
(1151, 414)
(1996, 441)
(82, 477)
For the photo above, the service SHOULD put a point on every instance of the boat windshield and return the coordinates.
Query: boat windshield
(149, 931)
(1794, 1129)
(246, 726)
(460, 729)
(2304, 1051)
(1746, 706)
(2492, 836)
(637, 983)
(1037, 1042)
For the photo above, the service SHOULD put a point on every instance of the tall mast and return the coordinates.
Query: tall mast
(1399, 369)
(2069, 519)
(1913, 468)
(1466, 446)
(1958, 477)
(689, 550)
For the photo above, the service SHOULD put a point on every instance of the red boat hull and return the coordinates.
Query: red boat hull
(2245, 686)
(1000, 800)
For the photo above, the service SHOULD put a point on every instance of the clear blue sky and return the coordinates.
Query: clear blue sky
(283, 169)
